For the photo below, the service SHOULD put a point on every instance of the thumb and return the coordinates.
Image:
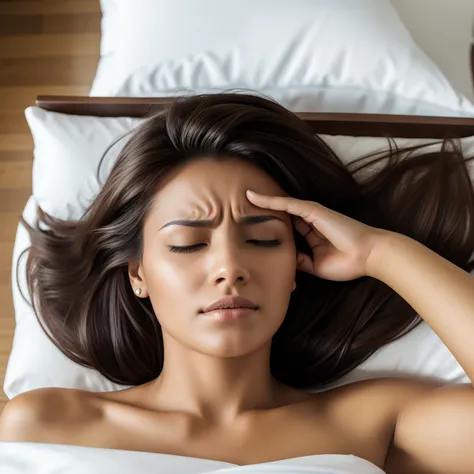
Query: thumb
(305, 263)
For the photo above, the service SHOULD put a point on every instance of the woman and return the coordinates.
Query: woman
(321, 268)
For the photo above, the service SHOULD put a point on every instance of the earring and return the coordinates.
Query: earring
(138, 291)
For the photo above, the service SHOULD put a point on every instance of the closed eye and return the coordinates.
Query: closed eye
(193, 248)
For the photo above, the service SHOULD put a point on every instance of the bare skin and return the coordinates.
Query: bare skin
(215, 397)
(357, 419)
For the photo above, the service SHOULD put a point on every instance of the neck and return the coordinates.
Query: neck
(213, 388)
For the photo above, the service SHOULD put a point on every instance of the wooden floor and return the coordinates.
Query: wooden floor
(46, 47)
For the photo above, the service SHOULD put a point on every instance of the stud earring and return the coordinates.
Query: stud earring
(138, 291)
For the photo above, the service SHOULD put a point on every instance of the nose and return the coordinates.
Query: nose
(228, 266)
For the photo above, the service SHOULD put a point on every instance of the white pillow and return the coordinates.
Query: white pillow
(67, 151)
(310, 55)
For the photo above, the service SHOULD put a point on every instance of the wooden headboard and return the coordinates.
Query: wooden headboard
(408, 126)
(472, 57)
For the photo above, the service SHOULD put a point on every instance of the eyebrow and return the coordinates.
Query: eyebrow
(245, 220)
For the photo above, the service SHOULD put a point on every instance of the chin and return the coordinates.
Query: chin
(221, 349)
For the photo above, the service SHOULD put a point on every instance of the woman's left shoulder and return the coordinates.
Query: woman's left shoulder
(398, 387)
(386, 395)
(409, 421)
(374, 405)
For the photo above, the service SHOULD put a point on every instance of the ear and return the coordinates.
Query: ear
(137, 278)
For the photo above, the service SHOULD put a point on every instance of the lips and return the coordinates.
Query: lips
(230, 302)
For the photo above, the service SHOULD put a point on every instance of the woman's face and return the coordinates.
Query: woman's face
(228, 257)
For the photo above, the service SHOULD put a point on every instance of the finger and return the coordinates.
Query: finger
(308, 231)
(301, 226)
(311, 235)
(305, 263)
(310, 211)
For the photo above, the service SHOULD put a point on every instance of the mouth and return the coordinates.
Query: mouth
(229, 303)
(229, 314)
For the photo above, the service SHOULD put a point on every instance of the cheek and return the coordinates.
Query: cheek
(279, 274)
(168, 278)
(281, 264)
(170, 284)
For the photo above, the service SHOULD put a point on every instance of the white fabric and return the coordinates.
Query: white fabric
(41, 458)
(67, 151)
(324, 55)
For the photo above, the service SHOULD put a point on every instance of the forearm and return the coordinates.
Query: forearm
(440, 292)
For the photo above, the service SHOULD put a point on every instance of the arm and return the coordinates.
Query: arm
(440, 292)
(432, 420)
(434, 431)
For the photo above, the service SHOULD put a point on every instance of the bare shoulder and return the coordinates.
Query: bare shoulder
(383, 396)
(41, 415)
(368, 410)
(394, 387)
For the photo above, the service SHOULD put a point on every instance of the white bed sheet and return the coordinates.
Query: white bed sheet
(42, 458)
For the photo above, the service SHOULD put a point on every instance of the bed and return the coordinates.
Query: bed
(35, 362)
(355, 124)
(354, 103)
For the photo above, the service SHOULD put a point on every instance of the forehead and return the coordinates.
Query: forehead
(204, 184)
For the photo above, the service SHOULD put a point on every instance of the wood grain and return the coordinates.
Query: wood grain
(48, 47)
(13, 200)
(13, 122)
(16, 141)
(78, 71)
(9, 225)
(15, 98)
(48, 7)
(49, 23)
(15, 156)
(15, 175)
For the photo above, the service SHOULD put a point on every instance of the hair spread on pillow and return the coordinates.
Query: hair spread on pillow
(77, 270)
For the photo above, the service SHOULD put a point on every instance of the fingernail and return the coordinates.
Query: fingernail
(250, 193)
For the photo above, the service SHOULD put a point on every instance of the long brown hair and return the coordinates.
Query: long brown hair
(78, 270)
